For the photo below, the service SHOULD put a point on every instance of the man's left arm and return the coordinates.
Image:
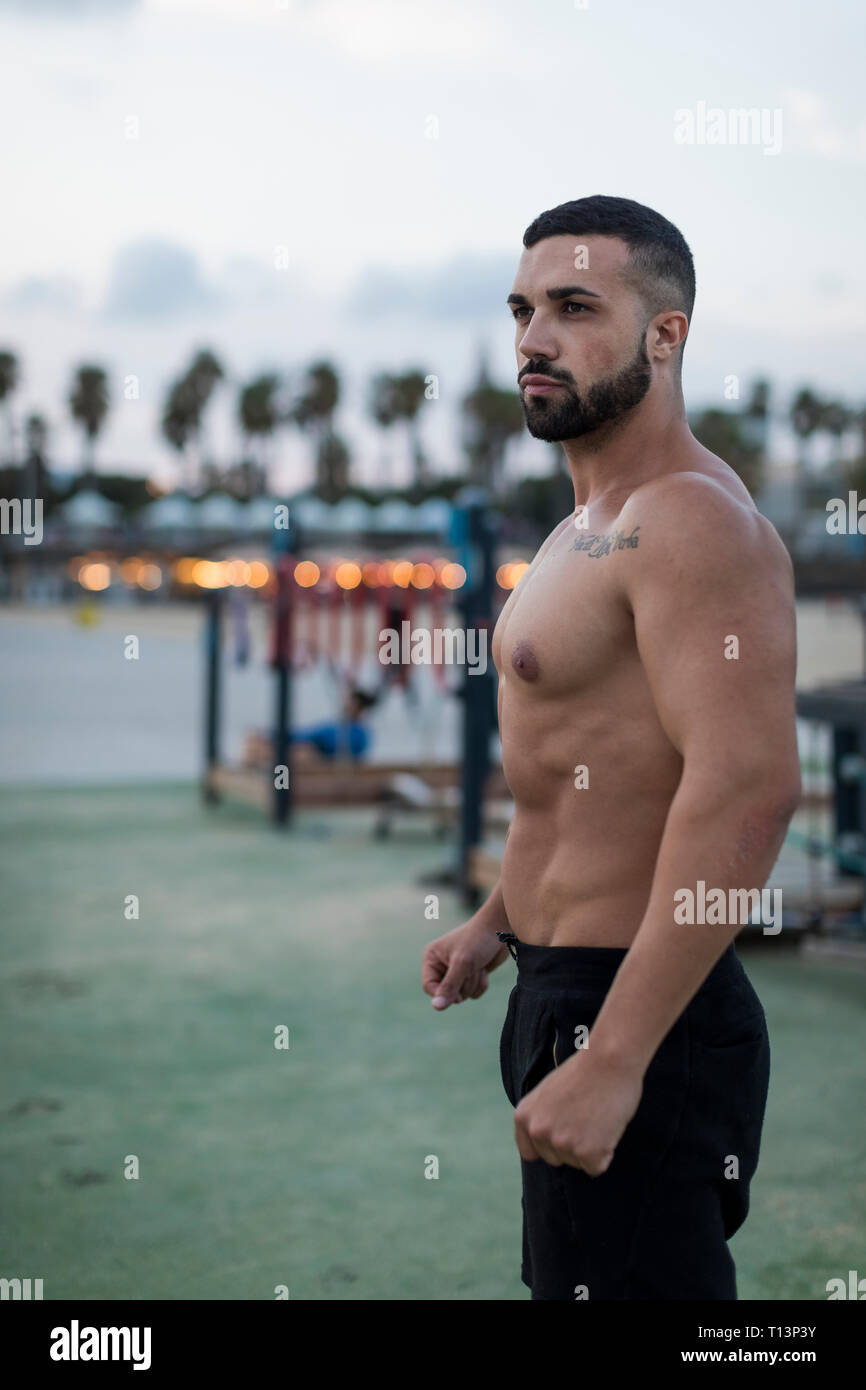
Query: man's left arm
(715, 628)
(713, 606)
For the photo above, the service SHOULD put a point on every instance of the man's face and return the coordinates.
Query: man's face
(590, 339)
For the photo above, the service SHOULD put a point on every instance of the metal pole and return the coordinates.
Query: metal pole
(847, 794)
(286, 546)
(282, 665)
(213, 673)
(473, 534)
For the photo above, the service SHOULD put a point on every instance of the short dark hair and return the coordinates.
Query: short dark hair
(661, 267)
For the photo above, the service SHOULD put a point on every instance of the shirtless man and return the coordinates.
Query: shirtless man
(646, 667)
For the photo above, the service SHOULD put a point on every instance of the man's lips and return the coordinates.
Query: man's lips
(539, 385)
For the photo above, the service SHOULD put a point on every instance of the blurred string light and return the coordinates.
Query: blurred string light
(238, 572)
(130, 569)
(208, 574)
(145, 573)
(307, 574)
(371, 575)
(423, 575)
(94, 572)
(183, 570)
(222, 574)
(508, 574)
(94, 576)
(347, 575)
(452, 576)
(401, 574)
(149, 577)
(259, 574)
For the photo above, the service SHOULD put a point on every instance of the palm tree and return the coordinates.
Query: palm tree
(88, 402)
(726, 433)
(855, 473)
(36, 477)
(400, 397)
(8, 383)
(756, 415)
(184, 409)
(384, 404)
(860, 421)
(179, 421)
(313, 413)
(203, 374)
(805, 416)
(332, 467)
(835, 420)
(492, 416)
(259, 415)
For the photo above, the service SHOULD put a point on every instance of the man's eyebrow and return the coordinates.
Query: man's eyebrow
(560, 292)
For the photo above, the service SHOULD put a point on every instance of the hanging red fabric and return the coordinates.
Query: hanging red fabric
(437, 624)
(407, 605)
(336, 608)
(306, 643)
(383, 616)
(359, 628)
(281, 626)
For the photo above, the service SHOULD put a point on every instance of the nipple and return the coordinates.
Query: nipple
(524, 661)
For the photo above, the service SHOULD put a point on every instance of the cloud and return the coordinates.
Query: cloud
(57, 292)
(377, 32)
(390, 31)
(817, 131)
(467, 287)
(156, 279)
(246, 283)
(67, 9)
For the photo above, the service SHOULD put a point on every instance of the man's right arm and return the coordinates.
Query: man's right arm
(457, 966)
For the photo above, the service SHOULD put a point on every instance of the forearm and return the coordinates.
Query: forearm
(726, 844)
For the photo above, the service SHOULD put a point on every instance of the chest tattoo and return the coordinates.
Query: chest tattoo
(598, 543)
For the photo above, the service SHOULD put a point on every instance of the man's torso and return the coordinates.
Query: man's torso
(590, 768)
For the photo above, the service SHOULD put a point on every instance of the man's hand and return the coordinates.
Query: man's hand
(578, 1113)
(456, 966)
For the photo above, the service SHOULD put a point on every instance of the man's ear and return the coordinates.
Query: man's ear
(667, 332)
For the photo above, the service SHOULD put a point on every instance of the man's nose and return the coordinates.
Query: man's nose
(537, 341)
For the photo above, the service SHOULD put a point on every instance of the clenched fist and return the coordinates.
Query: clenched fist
(457, 966)
(578, 1113)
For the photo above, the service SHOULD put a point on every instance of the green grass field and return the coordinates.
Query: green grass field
(304, 1167)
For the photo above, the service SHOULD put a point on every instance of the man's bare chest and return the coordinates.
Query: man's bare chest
(568, 624)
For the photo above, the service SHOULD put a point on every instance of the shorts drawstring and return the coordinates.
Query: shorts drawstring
(510, 940)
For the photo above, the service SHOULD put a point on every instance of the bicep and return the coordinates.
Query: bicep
(715, 631)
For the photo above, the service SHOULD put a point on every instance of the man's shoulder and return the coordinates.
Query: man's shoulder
(706, 520)
(695, 490)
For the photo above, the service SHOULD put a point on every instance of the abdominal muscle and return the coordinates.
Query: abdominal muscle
(579, 873)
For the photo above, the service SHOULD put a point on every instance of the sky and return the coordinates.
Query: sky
(286, 179)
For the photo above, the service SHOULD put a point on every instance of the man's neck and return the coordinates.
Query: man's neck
(609, 464)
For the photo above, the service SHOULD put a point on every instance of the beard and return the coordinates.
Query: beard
(569, 415)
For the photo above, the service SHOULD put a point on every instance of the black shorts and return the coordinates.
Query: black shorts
(656, 1223)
